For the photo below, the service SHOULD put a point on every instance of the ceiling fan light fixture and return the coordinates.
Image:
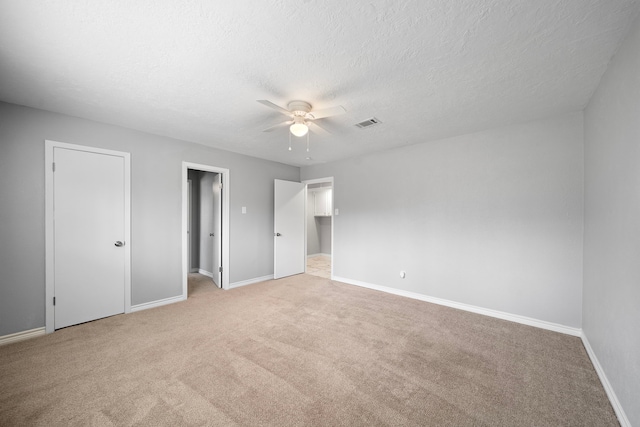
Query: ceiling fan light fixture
(299, 129)
(302, 118)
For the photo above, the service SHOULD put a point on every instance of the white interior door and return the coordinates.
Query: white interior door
(89, 230)
(289, 202)
(217, 230)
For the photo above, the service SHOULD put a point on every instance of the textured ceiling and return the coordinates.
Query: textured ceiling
(193, 70)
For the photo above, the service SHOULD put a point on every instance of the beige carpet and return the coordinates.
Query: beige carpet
(300, 351)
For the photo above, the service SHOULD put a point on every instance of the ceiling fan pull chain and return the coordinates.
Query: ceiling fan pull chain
(289, 141)
(307, 141)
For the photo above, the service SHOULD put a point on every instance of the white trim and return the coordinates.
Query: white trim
(189, 216)
(617, 406)
(21, 336)
(251, 281)
(576, 332)
(49, 224)
(225, 222)
(158, 303)
(319, 254)
(204, 272)
(319, 181)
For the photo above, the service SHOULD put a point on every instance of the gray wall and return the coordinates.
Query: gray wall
(156, 204)
(611, 309)
(318, 231)
(324, 231)
(492, 219)
(313, 238)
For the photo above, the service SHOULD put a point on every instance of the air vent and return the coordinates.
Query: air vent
(368, 123)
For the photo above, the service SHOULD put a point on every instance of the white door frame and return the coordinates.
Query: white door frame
(49, 225)
(317, 181)
(189, 215)
(226, 272)
(216, 229)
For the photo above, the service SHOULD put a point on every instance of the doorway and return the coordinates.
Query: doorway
(205, 227)
(205, 224)
(319, 227)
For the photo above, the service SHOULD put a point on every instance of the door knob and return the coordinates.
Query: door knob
(278, 234)
(211, 235)
(119, 243)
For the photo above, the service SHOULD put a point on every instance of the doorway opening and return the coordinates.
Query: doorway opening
(319, 228)
(205, 214)
(205, 226)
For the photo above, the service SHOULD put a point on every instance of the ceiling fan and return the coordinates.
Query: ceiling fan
(302, 118)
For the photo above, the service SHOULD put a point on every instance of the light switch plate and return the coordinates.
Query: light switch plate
(244, 209)
(337, 212)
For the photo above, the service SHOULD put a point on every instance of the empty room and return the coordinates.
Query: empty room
(320, 213)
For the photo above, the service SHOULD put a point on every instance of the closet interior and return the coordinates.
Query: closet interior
(319, 217)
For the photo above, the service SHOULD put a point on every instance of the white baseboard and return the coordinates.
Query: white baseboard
(318, 254)
(250, 281)
(204, 272)
(467, 307)
(21, 336)
(617, 407)
(158, 303)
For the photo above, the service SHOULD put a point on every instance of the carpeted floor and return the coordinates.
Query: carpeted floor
(300, 351)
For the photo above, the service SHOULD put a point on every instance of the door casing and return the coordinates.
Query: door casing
(217, 229)
(224, 173)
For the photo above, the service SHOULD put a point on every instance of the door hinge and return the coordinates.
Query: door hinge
(53, 166)
(54, 300)
(220, 269)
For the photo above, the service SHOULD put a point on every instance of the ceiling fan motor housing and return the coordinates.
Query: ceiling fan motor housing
(299, 108)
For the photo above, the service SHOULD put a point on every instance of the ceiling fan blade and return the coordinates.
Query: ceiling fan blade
(275, 107)
(278, 126)
(327, 112)
(317, 129)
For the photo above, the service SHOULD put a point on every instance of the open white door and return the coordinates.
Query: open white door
(217, 230)
(289, 202)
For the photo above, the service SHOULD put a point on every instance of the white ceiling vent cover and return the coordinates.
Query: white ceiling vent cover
(368, 123)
